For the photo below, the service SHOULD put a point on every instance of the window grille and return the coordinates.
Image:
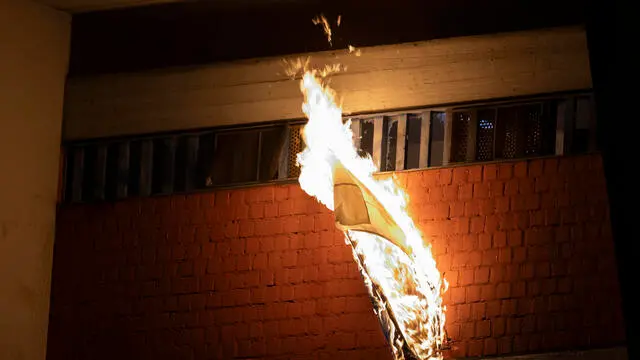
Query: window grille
(112, 169)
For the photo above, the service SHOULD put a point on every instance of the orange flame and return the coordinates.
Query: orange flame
(320, 19)
(410, 282)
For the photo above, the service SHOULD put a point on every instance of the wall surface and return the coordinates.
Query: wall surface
(34, 43)
(383, 78)
(262, 272)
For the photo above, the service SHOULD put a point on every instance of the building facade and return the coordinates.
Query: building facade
(182, 232)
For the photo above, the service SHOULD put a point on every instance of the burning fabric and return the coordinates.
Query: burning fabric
(397, 266)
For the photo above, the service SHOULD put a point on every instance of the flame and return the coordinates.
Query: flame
(352, 49)
(407, 287)
(320, 19)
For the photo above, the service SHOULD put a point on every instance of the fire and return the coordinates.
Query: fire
(400, 271)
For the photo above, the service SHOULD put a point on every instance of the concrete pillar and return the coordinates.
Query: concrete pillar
(34, 49)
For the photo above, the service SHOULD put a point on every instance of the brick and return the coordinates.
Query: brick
(450, 193)
(445, 176)
(324, 222)
(478, 311)
(484, 241)
(474, 259)
(467, 277)
(499, 239)
(490, 347)
(477, 224)
(520, 169)
(475, 348)
(475, 173)
(460, 175)
(511, 187)
(467, 330)
(505, 171)
(436, 194)
(536, 168)
(182, 286)
(481, 275)
(456, 209)
(493, 309)
(458, 295)
(487, 292)
(490, 172)
(504, 255)
(490, 257)
(483, 328)
(498, 327)
(503, 291)
(514, 238)
(465, 192)
(473, 294)
(502, 205)
(268, 227)
(246, 228)
(518, 289)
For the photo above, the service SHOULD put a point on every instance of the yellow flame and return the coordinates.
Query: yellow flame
(411, 283)
(320, 19)
(352, 49)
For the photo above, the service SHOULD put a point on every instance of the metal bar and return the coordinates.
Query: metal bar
(448, 129)
(193, 145)
(78, 173)
(146, 167)
(122, 187)
(378, 123)
(425, 139)
(401, 141)
(100, 172)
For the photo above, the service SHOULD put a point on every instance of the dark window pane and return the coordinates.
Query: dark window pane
(389, 144)
(582, 133)
(531, 118)
(163, 163)
(111, 172)
(89, 173)
(271, 149)
(549, 124)
(236, 157)
(205, 160)
(180, 167)
(485, 133)
(366, 137)
(133, 187)
(460, 135)
(412, 148)
(509, 134)
(436, 143)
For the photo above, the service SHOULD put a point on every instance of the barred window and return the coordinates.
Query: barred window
(190, 161)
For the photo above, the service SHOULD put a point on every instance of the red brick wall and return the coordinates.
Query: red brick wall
(262, 273)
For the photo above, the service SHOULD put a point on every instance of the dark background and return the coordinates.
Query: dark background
(191, 33)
